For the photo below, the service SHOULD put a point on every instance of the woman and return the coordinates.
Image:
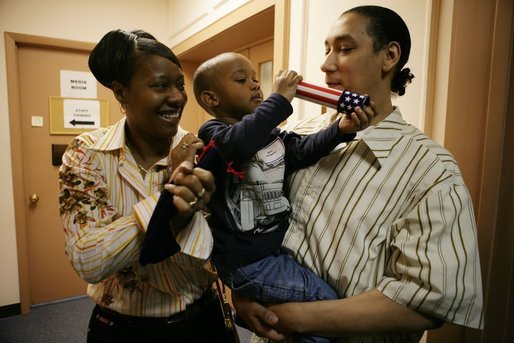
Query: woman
(110, 181)
(386, 220)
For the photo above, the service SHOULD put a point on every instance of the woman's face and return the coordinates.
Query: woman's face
(155, 98)
(350, 61)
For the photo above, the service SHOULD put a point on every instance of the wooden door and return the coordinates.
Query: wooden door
(51, 276)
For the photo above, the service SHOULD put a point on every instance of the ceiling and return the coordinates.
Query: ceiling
(249, 32)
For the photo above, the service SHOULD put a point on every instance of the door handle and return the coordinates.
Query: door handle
(34, 198)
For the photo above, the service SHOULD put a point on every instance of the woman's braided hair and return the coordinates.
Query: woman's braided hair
(117, 55)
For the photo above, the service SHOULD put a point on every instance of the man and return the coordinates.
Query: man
(387, 219)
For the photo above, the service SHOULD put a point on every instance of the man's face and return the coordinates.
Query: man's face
(350, 61)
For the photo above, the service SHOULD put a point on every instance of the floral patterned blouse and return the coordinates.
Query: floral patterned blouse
(105, 205)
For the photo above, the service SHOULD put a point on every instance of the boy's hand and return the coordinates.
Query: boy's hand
(286, 83)
(358, 120)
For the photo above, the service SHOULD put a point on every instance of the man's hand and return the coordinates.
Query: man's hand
(258, 318)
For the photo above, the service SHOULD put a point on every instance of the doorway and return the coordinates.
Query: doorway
(34, 64)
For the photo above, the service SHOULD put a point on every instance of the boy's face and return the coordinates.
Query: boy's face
(238, 90)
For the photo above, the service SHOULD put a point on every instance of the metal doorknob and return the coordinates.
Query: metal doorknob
(34, 198)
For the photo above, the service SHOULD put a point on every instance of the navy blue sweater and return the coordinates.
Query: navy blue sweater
(233, 146)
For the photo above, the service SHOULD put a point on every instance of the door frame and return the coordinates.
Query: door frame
(13, 41)
(479, 145)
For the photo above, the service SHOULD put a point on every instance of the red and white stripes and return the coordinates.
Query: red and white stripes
(319, 95)
(342, 101)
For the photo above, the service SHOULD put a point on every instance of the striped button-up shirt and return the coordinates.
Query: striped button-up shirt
(389, 211)
(106, 205)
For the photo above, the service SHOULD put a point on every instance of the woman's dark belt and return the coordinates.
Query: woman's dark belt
(191, 310)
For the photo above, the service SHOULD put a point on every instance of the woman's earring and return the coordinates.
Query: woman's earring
(123, 108)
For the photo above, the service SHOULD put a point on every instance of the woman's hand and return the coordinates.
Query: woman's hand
(192, 187)
(258, 318)
(185, 150)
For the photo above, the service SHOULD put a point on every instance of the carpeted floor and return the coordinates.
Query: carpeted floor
(52, 323)
(62, 322)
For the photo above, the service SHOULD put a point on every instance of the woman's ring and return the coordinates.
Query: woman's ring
(201, 194)
(185, 146)
(192, 203)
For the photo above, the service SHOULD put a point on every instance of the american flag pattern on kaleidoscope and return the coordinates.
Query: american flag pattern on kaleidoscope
(345, 101)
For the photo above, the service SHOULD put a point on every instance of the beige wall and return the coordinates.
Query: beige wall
(67, 19)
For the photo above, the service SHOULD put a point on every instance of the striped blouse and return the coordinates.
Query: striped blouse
(389, 211)
(105, 205)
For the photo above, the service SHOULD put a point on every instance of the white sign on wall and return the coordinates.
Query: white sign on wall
(78, 84)
(81, 114)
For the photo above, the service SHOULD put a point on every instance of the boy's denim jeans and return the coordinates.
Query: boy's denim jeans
(275, 279)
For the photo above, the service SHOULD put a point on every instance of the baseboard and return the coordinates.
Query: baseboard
(10, 310)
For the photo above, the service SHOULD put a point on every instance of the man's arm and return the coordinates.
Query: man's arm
(367, 313)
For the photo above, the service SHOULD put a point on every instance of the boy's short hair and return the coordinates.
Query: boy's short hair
(207, 75)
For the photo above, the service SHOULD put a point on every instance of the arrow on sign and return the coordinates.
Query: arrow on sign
(78, 122)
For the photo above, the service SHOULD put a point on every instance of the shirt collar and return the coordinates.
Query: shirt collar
(113, 139)
(382, 137)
